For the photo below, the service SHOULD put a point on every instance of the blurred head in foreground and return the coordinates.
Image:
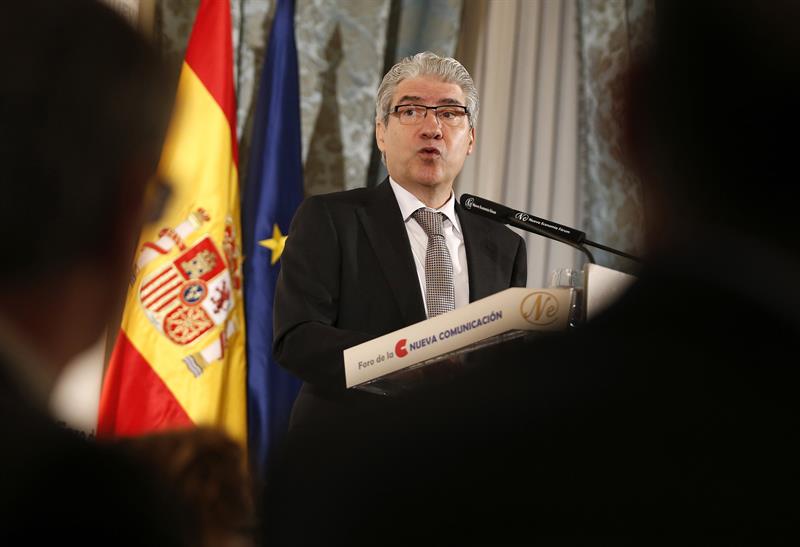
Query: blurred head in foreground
(83, 113)
(712, 119)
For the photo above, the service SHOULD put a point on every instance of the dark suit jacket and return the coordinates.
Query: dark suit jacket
(348, 276)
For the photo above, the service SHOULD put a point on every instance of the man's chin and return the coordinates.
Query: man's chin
(429, 177)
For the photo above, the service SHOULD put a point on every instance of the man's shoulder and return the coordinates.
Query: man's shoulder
(341, 205)
(344, 198)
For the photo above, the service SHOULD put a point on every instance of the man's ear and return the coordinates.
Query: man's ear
(471, 140)
(380, 130)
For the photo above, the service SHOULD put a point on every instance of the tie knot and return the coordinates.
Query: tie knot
(431, 221)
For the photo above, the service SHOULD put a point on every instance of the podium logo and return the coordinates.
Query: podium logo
(469, 202)
(400, 348)
(539, 308)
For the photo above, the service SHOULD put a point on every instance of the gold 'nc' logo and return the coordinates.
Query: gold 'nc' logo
(539, 308)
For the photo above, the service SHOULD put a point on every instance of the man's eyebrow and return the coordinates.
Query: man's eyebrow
(405, 99)
(408, 98)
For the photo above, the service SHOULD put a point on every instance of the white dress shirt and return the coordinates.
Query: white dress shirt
(453, 236)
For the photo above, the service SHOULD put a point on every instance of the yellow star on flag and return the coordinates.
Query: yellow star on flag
(275, 244)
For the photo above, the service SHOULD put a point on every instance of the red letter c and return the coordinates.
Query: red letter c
(400, 348)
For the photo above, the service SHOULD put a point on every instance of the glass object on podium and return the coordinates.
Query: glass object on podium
(441, 368)
(575, 280)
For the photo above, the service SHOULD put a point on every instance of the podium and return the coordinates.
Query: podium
(438, 348)
(442, 368)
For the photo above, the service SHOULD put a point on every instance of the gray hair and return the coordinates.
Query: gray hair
(426, 63)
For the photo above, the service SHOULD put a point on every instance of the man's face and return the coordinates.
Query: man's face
(431, 153)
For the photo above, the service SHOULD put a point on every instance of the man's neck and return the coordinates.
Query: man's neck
(432, 196)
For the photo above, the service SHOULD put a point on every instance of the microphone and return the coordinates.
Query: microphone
(530, 223)
(525, 221)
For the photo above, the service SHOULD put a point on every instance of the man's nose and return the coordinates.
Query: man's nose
(431, 126)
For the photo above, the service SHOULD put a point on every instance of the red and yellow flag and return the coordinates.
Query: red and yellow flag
(179, 357)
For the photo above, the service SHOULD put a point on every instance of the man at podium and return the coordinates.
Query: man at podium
(362, 263)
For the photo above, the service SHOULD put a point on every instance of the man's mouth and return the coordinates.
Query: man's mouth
(429, 152)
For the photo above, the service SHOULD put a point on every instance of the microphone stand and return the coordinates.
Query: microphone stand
(610, 250)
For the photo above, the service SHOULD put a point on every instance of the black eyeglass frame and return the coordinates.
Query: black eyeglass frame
(396, 110)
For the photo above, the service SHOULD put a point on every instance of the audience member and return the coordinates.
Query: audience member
(209, 471)
(83, 112)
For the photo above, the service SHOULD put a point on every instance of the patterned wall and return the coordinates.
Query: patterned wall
(610, 30)
(340, 49)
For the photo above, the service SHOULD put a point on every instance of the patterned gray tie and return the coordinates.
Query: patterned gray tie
(440, 292)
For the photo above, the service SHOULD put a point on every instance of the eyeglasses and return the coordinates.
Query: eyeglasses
(413, 114)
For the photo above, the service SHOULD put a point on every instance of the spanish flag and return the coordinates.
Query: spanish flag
(179, 357)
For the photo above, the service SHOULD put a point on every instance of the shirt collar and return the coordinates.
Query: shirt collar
(409, 203)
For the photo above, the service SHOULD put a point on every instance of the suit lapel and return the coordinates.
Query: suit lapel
(481, 255)
(383, 224)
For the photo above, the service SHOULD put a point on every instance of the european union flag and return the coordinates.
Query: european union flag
(273, 191)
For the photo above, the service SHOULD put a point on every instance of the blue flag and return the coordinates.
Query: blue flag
(273, 190)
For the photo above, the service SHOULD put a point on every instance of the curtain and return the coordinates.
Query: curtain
(523, 56)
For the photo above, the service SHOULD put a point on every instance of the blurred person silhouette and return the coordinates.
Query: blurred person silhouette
(670, 416)
(84, 107)
(209, 471)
